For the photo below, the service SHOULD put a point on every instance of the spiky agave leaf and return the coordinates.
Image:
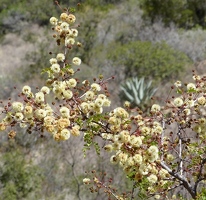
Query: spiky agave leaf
(137, 91)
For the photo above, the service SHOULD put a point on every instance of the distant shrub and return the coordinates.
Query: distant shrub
(17, 177)
(184, 13)
(191, 42)
(144, 59)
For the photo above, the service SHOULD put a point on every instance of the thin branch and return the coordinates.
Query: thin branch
(199, 176)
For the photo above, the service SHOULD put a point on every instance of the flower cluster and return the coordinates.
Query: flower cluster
(151, 152)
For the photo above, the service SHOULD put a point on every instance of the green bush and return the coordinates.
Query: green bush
(144, 59)
(18, 177)
(184, 13)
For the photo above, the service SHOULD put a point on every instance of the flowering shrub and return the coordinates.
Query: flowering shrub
(159, 152)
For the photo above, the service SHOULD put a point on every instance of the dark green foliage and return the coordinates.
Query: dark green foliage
(17, 176)
(144, 59)
(184, 13)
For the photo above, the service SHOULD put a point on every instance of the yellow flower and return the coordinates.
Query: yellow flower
(60, 57)
(18, 116)
(152, 178)
(63, 16)
(17, 106)
(155, 108)
(201, 100)
(75, 130)
(2, 126)
(76, 61)
(178, 102)
(26, 89)
(71, 18)
(65, 134)
(137, 159)
(95, 87)
(65, 112)
(39, 97)
(53, 61)
(53, 20)
(55, 68)
(191, 86)
(45, 90)
(64, 26)
(86, 181)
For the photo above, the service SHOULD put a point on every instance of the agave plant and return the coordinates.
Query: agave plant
(138, 92)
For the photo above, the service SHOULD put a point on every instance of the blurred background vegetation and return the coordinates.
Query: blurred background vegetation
(158, 41)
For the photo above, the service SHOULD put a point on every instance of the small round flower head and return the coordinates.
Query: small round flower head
(39, 97)
(99, 102)
(89, 95)
(17, 106)
(28, 111)
(155, 108)
(157, 196)
(152, 178)
(55, 68)
(63, 123)
(121, 112)
(75, 130)
(71, 18)
(201, 100)
(190, 103)
(69, 41)
(196, 77)
(74, 32)
(127, 104)
(65, 112)
(12, 134)
(18, 116)
(95, 87)
(64, 26)
(170, 157)
(65, 134)
(107, 103)
(2, 126)
(60, 57)
(53, 61)
(114, 159)
(86, 181)
(45, 90)
(153, 149)
(191, 87)
(76, 61)
(72, 83)
(137, 159)
(40, 113)
(26, 89)
(178, 84)
(108, 148)
(145, 130)
(67, 94)
(135, 141)
(64, 17)
(178, 102)
(53, 21)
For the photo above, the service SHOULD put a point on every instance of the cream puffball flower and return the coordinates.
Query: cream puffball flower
(53, 21)
(60, 57)
(76, 61)
(178, 102)
(155, 108)
(26, 89)
(191, 86)
(55, 68)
